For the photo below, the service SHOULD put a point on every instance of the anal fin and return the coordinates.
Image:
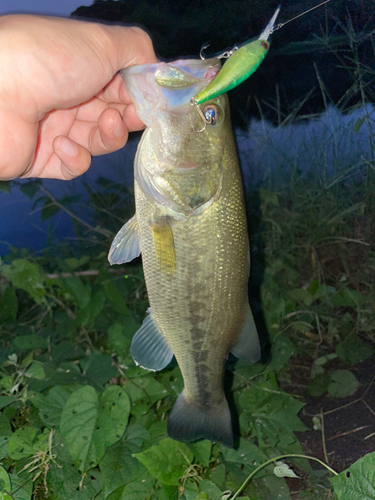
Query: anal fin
(248, 345)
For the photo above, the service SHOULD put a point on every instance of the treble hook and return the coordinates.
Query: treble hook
(207, 119)
(193, 102)
(220, 55)
(201, 53)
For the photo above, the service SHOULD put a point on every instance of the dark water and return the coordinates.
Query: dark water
(21, 224)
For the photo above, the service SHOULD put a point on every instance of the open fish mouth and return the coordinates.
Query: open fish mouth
(167, 87)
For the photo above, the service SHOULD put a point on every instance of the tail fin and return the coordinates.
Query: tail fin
(189, 422)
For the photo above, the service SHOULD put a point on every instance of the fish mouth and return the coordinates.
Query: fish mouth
(167, 87)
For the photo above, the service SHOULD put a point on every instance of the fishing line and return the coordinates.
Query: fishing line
(281, 25)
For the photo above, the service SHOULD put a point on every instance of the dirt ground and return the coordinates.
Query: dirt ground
(348, 431)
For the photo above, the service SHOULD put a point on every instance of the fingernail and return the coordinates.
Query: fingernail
(118, 127)
(67, 147)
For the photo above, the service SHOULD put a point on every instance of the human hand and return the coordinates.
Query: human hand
(61, 100)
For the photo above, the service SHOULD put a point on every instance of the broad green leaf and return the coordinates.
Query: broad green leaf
(80, 291)
(78, 421)
(30, 188)
(217, 475)
(64, 479)
(113, 414)
(269, 487)
(347, 298)
(141, 489)
(269, 413)
(301, 295)
(36, 370)
(119, 467)
(5, 434)
(167, 461)
(6, 401)
(98, 368)
(49, 210)
(5, 484)
(317, 367)
(246, 454)
(50, 407)
(115, 298)
(318, 385)
(89, 425)
(144, 392)
(87, 314)
(72, 263)
(190, 491)
(27, 276)
(7, 383)
(137, 435)
(22, 487)
(353, 350)
(201, 451)
(29, 342)
(117, 341)
(22, 443)
(343, 383)
(157, 431)
(210, 488)
(282, 350)
(357, 482)
(166, 491)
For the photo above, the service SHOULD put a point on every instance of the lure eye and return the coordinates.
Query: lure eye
(212, 114)
(265, 45)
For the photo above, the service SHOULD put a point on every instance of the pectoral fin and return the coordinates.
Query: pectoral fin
(247, 345)
(125, 247)
(148, 347)
(162, 235)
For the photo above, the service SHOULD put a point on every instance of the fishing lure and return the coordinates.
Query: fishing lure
(242, 61)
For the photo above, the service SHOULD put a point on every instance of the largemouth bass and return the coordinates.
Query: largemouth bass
(190, 226)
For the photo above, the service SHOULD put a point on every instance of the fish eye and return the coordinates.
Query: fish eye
(212, 114)
(265, 45)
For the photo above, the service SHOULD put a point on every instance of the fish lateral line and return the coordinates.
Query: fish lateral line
(232, 75)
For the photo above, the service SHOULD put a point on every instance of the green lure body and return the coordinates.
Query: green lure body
(237, 68)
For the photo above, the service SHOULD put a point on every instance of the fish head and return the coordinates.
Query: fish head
(179, 160)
